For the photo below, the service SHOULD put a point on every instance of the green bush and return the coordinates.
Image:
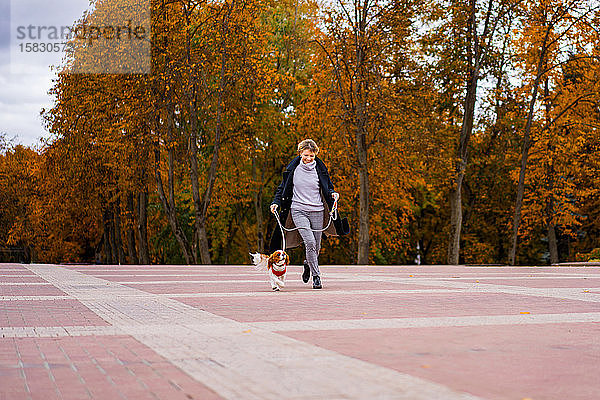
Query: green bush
(593, 255)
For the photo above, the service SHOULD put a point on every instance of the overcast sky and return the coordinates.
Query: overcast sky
(25, 77)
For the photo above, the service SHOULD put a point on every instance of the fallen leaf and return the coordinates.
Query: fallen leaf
(525, 312)
(248, 331)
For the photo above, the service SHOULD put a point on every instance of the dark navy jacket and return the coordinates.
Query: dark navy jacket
(285, 191)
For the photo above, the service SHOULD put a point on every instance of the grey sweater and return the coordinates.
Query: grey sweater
(307, 194)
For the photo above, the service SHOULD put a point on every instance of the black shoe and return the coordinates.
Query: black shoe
(306, 273)
(317, 282)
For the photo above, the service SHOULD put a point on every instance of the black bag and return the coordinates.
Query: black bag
(342, 226)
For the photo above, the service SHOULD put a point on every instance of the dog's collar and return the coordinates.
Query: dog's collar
(278, 272)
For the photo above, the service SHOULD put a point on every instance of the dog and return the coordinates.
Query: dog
(275, 265)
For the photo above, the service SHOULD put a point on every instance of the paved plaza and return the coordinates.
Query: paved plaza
(219, 332)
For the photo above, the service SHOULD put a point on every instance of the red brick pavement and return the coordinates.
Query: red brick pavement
(110, 367)
(546, 361)
(22, 279)
(29, 290)
(181, 277)
(191, 288)
(356, 306)
(543, 283)
(62, 312)
(506, 361)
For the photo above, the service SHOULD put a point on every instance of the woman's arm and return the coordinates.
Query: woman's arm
(277, 198)
(279, 191)
(326, 179)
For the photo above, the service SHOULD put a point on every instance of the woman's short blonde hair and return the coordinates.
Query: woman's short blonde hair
(308, 144)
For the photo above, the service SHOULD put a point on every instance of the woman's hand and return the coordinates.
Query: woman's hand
(335, 196)
(273, 208)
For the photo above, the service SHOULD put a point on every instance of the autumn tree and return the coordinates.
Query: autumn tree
(220, 71)
(416, 105)
(362, 48)
(551, 30)
(18, 186)
(464, 44)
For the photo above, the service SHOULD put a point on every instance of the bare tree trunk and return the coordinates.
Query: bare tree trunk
(212, 171)
(258, 198)
(521, 184)
(117, 232)
(164, 124)
(142, 228)
(477, 53)
(106, 221)
(549, 209)
(231, 230)
(133, 259)
(194, 174)
(552, 241)
(361, 122)
(525, 149)
(169, 205)
(500, 112)
(363, 176)
(112, 239)
(462, 152)
(460, 169)
(191, 96)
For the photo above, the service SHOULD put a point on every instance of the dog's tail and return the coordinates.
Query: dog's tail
(260, 261)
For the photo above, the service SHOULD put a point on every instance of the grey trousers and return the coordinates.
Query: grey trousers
(312, 240)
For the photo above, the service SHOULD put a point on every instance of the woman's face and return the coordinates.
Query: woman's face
(307, 156)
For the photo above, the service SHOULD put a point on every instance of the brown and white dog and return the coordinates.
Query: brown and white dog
(275, 265)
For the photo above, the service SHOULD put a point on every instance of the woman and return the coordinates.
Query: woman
(305, 197)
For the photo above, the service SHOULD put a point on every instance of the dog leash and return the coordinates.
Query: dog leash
(333, 215)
